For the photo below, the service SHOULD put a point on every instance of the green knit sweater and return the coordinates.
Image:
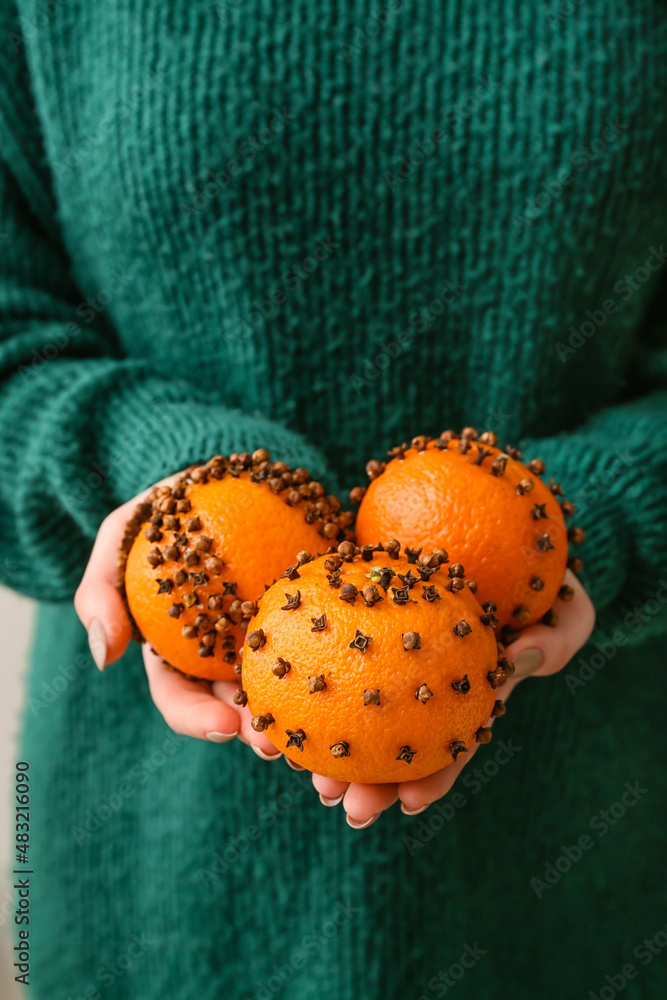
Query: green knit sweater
(322, 228)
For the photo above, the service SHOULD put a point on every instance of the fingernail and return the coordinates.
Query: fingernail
(527, 662)
(295, 767)
(413, 812)
(331, 802)
(362, 826)
(97, 641)
(266, 756)
(220, 737)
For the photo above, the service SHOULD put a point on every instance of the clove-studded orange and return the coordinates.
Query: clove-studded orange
(487, 507)
(197, 555)
(373, 666)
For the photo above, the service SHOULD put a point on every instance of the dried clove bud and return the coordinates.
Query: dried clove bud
(357, 494)
(256, 639)
(462, 686)
(240, 697)
(539, 510)
(498, 709)
(348, 593)
(522, 614)
(513, 453)
(208, 639)
(165, 586)
(319, 624)
(214, 565)
(372, 697)
(293, 602)
(489, 606)
(303, 557)
(536, 466)
(316, 683)
(189, 632)
(411, 640)
(249, 609)
(489, 619)
(488, 437)
(192, 559)
(472, 586)
(341, 749)
(201, 621)
(392, 548)
(347, 550)
(497, 677)
(483, 735)
(190, 599)
(281, 667)
(412, 555)
(482, 453)
(366, 552)
(456, 569)
(576, 535)
(181, 576)
(406, 754)
(203, 543)
(544, 543)
(152, 533)
(555, 488)
(431, 594)
(154, 558)
(408, 579)
(360, 641)
(419, 443)
(462, 629)
(176, 610)
(374, 469)
(184, 506)
(295, 739)
(401, 596)
(261, 722)
(567, 507)
(371, 595)
(334, 579)
(172, 553)
(537, 583)
(332, 563)
(423, 693)
(193, 524)
(498, 465)
(457, 747)
(566, 593)
(575, 564)
(550, 618)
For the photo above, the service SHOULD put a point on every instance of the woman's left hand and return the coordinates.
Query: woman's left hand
(539, 651)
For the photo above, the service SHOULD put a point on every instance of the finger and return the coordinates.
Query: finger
(331, 790)
(417, 795)
(364, 804)
(97, 600)
(540, 649)
(261, 744)
(188, 707)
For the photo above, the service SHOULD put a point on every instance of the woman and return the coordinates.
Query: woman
(321, 229)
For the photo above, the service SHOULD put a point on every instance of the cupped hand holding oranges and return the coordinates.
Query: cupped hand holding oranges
(192, 578)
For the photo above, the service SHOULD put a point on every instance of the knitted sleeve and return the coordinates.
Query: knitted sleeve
(614, 468)
(84, 428)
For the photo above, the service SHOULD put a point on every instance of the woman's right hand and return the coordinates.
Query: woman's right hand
(193, 708)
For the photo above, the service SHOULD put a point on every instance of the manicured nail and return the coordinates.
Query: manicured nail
(527, 662)
(413, 812)
(220, 737)
(331, 802)
(266, 756)
(295, 767)
(97, 640)
(362, 826)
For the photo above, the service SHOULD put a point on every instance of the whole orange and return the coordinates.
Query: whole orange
(196, 555)
(370, 667)
(489, 510)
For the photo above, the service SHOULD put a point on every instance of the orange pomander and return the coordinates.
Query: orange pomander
(372, 666)
(198, 554)
(491, 512)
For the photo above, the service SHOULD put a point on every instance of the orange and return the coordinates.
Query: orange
(489, 510)
(196, 551)
(358, 674)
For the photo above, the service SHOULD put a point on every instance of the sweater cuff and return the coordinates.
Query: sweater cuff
(152, 431)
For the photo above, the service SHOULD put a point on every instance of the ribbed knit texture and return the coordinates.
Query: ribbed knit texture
(242, 209)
